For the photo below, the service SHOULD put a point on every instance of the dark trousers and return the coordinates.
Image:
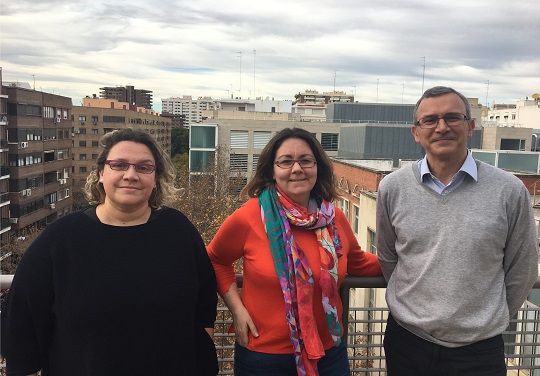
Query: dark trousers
(409, 355)
(253, 363)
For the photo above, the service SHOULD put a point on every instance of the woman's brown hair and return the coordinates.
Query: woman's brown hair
(263, 178)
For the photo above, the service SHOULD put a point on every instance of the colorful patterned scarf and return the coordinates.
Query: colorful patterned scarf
(278, 212)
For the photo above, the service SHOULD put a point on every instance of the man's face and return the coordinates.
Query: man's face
(443, 143)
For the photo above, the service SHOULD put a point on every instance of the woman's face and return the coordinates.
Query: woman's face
(296, 182)
(128, 190)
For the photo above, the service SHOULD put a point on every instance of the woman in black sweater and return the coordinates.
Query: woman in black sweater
(124, 287)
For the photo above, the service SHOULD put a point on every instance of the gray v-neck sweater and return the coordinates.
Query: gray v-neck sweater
(458, 266)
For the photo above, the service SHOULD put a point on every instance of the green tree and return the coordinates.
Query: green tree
(179, 141)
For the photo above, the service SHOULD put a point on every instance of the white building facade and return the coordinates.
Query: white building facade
(191, 109)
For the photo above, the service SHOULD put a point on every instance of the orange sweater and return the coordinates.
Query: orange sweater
(243, 235)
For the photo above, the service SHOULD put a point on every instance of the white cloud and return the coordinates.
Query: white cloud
(375, 48)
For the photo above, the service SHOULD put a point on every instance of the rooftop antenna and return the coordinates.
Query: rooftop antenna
(377, 100)
(34, 82)
(423, 74)
(487, 93)
(254, 55)
(335, 73)
(240, 89)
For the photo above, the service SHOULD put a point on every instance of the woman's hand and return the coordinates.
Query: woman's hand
(243, 324)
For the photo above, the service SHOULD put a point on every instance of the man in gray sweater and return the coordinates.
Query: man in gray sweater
(457, 245)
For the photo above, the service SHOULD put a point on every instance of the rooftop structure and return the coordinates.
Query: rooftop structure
(138, 97)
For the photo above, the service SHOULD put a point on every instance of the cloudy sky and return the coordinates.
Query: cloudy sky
(380, 50)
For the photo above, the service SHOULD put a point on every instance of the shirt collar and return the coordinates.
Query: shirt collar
(469, 167)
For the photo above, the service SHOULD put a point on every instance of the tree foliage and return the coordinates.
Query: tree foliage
(206, 198)
(179, 141)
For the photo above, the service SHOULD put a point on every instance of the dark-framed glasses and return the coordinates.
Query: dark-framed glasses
(287, 163)
(452, 119)
(141, 168)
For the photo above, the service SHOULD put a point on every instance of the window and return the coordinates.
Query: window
(255, 162)
(49, 134)
(94, 156)
(82, 157)
(82, 143)
(62, 154)
(82, 169)
(114, 119)
(329, 141)
(512, 144)
(202, 137)
(48, 112)
(81, 130)
(345, 207)
(95, 119)
(356, 219)
(82, 117)
(239, 139)
(48, 155)
(95, 143)
(260, 139)
(95, 131)
(239, 162)
(200, 160)
(371, 245)
(24, 109)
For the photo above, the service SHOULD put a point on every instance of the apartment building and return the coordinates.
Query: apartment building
(314, 97)
(189, 109)
(523, 114)
(39, 157)
(98, 116)
(128, 94)
(5, 225)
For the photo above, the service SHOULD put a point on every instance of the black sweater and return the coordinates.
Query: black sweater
(94, 299)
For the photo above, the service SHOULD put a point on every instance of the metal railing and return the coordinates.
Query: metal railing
(364, 330)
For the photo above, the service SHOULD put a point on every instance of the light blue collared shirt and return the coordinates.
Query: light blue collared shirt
(468, 168)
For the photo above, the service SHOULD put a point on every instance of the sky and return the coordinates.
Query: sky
(379, 50)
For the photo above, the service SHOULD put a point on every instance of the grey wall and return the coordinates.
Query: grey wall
(369, 112)
(367, 141)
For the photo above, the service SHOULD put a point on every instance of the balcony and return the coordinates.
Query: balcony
(4, 171)
(365, 332)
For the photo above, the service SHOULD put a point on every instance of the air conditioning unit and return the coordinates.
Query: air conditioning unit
(57, 119)
(82, 122)
(29, 192)
(23, 192)
(52, 206)
(23, 145)
(62, 181)
(14, 220)
(77, 131)
(94, 122)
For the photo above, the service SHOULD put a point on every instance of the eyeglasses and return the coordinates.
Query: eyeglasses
(451, 119)
(124, 166)
(289, 163)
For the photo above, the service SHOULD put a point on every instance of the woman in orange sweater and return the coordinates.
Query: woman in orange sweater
(297, 249)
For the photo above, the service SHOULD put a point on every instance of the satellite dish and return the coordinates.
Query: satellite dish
(535, 95)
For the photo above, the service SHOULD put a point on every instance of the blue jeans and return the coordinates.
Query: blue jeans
(253, 363)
